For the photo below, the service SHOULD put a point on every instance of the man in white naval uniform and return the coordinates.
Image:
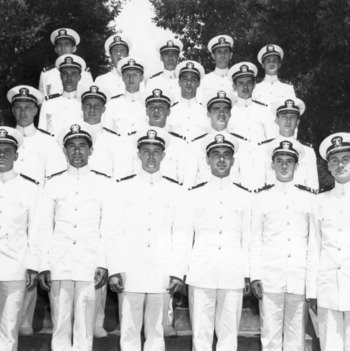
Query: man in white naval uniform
(251, 121)
(146, 250)
(279, 251)
(71, 249)
(18, 238)
(271, 88)
(169, 50)
(288, 112)
(218, 225)
(57, 111)
(117, 46)
(65, 41)
(331, 283)
(220, 48)
(125, 114)
(188, 118)
(39, 156)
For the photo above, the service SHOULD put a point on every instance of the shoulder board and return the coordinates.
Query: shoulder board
(132, 133)
(100, 173)
(259, 102)
(44, 131)
(238, 136)
(305, 143)
(117, 96)
(55, 174)
(156, 75)
(285, 81)
(266, 187)
(325, 188)
(306, 188)
(87, 69)
(30, 179)
(242, 187)
(198, 186)
(177, 135)
(126, 178)
(200, 137)
(53, 96)
(175, 103)
(265, 141)
(172, 180)
(110, 131)
(47, 68)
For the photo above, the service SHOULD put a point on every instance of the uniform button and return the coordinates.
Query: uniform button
(287, 207)
(149, 245)
(219, 247)
(75, 225)
(220, 232)
(0, 211)
(220, 202)
(75, 209)
(339, 267)
(288, 239)
(339, 230)
(220, 217)
(288, 223)
(339, 249)
(77, 192)
(74, 242)
(149, 229)
(289, 255)
(21, 159)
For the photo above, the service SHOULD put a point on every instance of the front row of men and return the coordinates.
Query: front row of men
(152, 235)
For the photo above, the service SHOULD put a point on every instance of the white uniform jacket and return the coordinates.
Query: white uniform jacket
(40, 154)
(281, 228)
(271, 89)
(71, 245)
(148, 241)
(333, 249)
(58, 111)
(218, 222)
(50, 82)
(18, 230)
(113, 81)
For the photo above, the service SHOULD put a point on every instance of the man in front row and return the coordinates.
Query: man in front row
(71, 249)
(146, 250)
(18, 238)
(218, 225)
(279, 251)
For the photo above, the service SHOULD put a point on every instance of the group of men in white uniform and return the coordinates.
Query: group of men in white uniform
(191, 178)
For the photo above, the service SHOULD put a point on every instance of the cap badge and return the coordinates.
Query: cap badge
(68, 60)
(23, 91)
(190, 65)
(94, 89)
(62, 32)
(117, 39)
(75, 128)
(131, 62)
(151, 134)
(221, 94)
(222, 40)
(270, 48)
(244, 68)
(287, 145)
(337, 141)
(289, 103)
(3, 133)
(219, 138)
(170, 43)
(157, 92)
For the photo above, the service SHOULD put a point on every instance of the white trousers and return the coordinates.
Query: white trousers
(11, 303)
(136, 308)
(215, 309)
(29, 307)
(334, 329)
(283, 314)
(73, 312)
(101, 297)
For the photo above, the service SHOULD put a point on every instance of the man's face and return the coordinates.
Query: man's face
(93, 110)
(24, 112)
(64, 46)
(169, 58)
(284, 167)
(132, 79)
(271, 65)
(157, 113)
(8, 155)
(117, 53)
(70, 77)
(220, 160)
(287, 122)
(222, 57)
(189, 83)
(244, 87)
(77, 151)
(339, 166)
(151, 157)
(219, 114)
